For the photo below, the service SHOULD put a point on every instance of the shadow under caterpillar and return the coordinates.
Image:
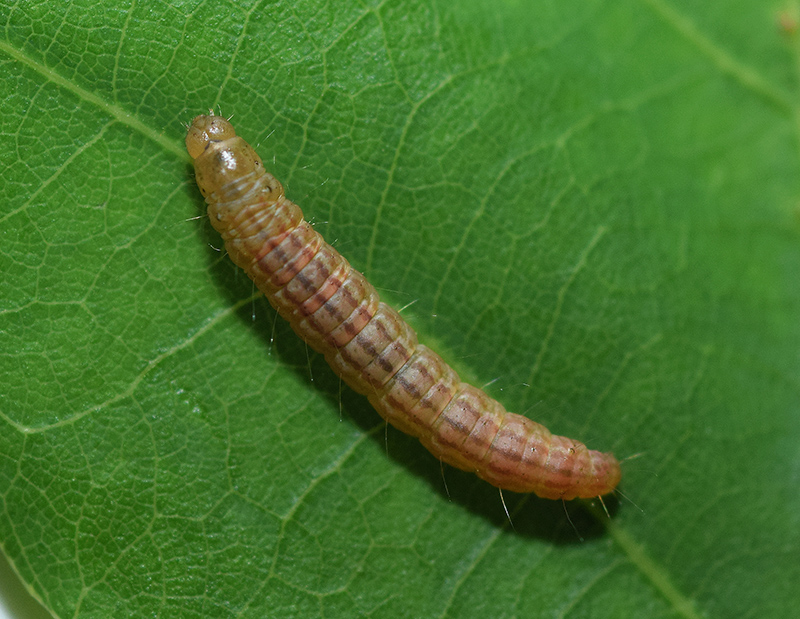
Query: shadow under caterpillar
(333, 308)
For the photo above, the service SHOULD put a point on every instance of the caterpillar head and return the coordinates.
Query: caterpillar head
(207, 129)
(220, 156)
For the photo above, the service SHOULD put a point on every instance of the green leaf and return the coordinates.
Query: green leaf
(591, 207)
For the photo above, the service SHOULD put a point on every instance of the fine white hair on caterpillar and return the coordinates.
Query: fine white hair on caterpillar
(333, 308)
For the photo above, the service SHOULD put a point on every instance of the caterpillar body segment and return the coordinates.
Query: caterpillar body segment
(333, 308)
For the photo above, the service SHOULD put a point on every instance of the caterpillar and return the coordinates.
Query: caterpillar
(338, 313)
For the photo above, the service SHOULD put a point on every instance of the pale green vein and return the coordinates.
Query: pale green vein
(726, 63)
(118, 55)
(154, 363)
(478, 215)
(654, 573)
(116, 112)
(373, 239)
(587, 588)
(562, 293)
(74, 155)
(616, 378)
(481, 552)
(236, 50)
(395, 164)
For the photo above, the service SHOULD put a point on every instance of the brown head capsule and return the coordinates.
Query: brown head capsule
(333, 308)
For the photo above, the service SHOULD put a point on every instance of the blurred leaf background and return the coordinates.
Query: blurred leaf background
(591, 207)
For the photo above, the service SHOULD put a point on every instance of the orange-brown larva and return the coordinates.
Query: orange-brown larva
(333, 308)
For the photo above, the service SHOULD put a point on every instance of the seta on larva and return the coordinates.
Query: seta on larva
(333, 308)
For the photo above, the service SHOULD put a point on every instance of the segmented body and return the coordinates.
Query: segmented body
(333, 308)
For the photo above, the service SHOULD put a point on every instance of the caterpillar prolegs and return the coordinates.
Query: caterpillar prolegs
(333, 308)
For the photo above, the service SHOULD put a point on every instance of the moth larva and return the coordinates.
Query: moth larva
(333, 308)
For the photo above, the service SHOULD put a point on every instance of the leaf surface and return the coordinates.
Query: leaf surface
(591, 208)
